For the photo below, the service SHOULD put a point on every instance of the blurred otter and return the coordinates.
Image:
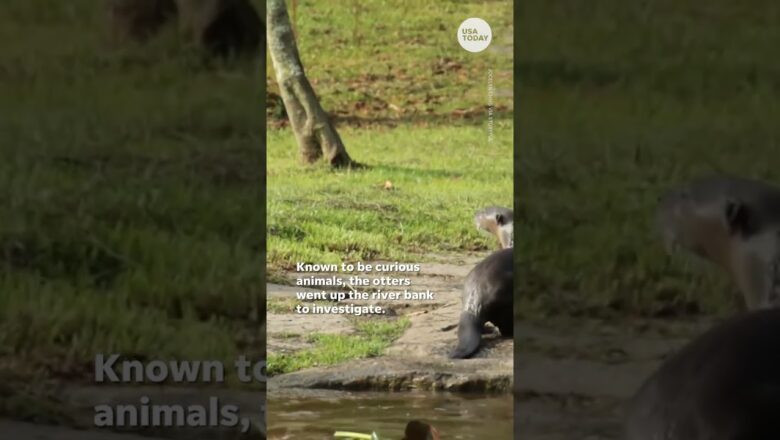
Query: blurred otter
(725, 385)
(138, 20)
(732, 222)
(417, 430)
(222, 27)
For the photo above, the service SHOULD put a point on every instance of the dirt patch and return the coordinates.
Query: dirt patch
(416, 360)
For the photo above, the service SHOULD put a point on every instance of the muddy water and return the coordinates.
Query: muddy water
(317, 414)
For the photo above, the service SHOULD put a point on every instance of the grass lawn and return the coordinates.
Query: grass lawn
(440, 177)
(374, 61)
(619, 101)
(410, 103)
(130, 198)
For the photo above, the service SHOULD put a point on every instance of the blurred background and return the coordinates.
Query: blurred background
(131, 206)
(619, 102)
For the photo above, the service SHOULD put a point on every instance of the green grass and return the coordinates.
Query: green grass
(130, 197)
(393, 91)
(371, 337)
(411, 105)
(440, 177)
(621, 101)
(375, 61)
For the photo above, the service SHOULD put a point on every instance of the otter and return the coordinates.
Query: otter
(138, 20)
(725, 385)
(487, 296)
(729, 221)
(223, 28)
(417, 430)
(496, 221)
(487, 292)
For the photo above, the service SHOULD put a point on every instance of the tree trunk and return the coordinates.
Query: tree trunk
(316, 135)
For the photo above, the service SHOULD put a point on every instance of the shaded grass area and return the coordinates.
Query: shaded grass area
(370, 338)
(382, 62)
(621, 102)
(130, 198)
(31, 401)
(440, 176)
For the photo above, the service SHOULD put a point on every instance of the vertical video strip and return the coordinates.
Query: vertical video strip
(131, 264)
(650, 205)
(390, 219)
(517, 135)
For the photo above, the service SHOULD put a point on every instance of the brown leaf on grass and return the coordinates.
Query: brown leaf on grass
(444, 65)
(468, 112)
(459, 112)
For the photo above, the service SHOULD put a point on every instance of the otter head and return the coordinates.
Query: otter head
(497, 222)
(417, 430)
(702, 227)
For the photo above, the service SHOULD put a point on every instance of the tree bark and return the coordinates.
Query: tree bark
(314, 131)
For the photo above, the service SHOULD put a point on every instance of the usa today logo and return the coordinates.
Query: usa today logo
(474, 34)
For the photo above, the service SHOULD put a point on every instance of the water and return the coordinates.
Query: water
(318, 414)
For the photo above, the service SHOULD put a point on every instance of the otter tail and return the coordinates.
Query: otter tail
(469, 336)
